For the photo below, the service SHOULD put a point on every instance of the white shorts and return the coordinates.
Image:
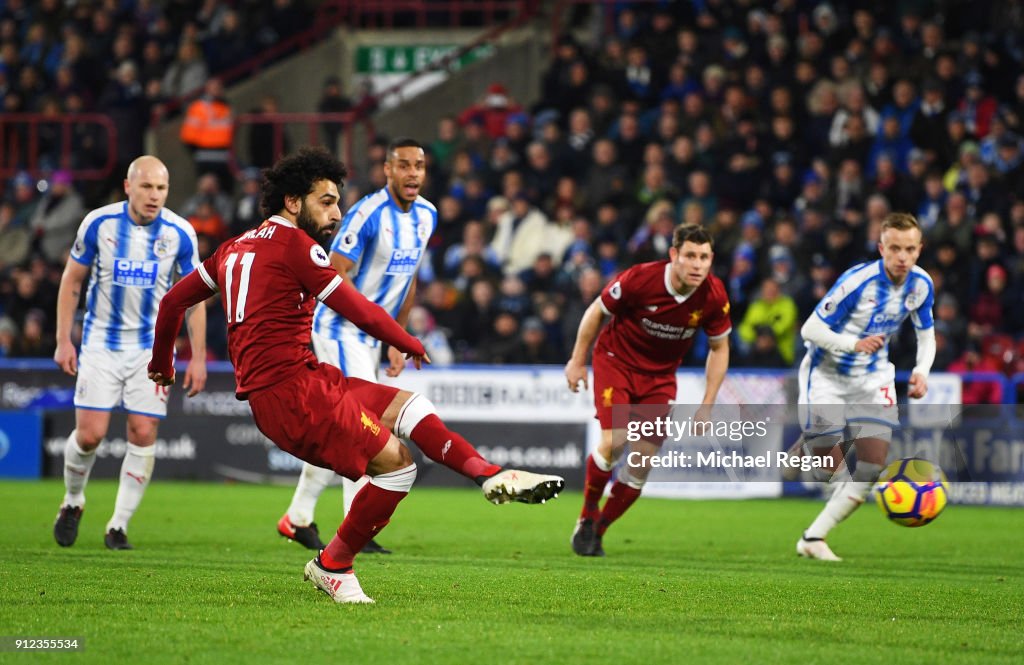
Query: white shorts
(111, 379)
(828, 402)
(353, 357)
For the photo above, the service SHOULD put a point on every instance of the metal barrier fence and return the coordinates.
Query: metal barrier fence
(314, 124)
(21, 143)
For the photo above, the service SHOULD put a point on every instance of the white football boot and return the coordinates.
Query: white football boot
(815, 549)
(341, 587)
(523, 486)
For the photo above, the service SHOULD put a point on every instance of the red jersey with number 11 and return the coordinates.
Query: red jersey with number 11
(652, 326)
(269, 279)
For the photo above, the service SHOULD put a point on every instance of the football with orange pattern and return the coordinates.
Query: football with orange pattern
(912, 491)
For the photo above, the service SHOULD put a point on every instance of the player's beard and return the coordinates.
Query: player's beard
(306, 222)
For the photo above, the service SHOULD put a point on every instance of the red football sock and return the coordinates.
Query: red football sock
(371, 511)
(593, 489)
(446, 447)
(619, 500)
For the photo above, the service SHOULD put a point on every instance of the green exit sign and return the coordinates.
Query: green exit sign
(407, 59)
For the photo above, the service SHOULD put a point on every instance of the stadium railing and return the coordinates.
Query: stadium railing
(18, 127)
(314, 123)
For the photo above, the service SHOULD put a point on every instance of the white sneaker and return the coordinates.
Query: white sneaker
(523, 486)
(815, 549)
(341, 587)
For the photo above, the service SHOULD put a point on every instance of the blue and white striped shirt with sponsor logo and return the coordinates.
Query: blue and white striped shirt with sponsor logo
(865, 302)
(386, 247)
(132, 268)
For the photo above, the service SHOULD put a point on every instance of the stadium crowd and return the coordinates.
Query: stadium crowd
(788, 129)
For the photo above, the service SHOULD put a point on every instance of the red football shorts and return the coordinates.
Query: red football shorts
(616, 385)
(316, 418)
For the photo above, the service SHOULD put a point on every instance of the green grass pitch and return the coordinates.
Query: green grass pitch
(708, 581)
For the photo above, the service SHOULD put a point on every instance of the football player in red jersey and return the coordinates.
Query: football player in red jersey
(269, 278)
(655, 310)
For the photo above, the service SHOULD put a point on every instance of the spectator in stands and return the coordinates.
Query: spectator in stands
(153, 65)
(477, 318)
(49, 133)
(501, 344)
(125, 103)
(947, 311)
(435, 341)
(606, 181)
(542, 277)
(34, 341)
(554, 81)
(534, 347)
(513, 298)
(978, 392)
(983, 196)
(781, 188)
(891, 181)
(903, 107)
(247, 213)
(933, 201)
(268, 141)
(855, 104)
(954, 226)
(333, 101)
(775, 310)
(56, 218)
(15, 241)
(28, 294)
(226, 43)
(208, 190)
(208, 223)
(928, 129)
(24, 198)
(187, 72)
(653, 238)
(208, 131)
(492, 111)
(522, 234)
(517, 134)
(977, 107)
(782, 266)
(764, 351)
(473, 244)
(448, 142)
(987, 310)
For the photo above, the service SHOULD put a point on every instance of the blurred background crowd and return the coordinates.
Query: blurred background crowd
(788, 128)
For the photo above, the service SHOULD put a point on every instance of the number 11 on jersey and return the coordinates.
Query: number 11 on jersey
(236, 314)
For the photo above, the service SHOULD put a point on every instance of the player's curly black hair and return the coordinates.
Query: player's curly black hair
(295, 174)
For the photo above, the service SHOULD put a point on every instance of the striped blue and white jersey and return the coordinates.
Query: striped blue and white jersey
(386, 247)
(865, 302)
(132, 266)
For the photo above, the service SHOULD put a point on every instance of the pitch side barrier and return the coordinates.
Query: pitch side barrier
(525, 416)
